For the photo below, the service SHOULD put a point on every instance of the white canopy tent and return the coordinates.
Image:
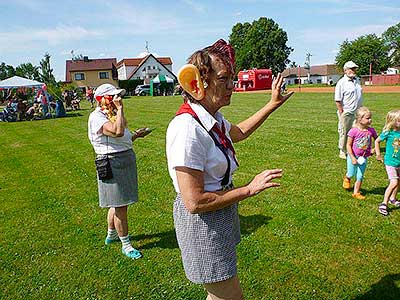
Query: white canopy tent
(18, 82)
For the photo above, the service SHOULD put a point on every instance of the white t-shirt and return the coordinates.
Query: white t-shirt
(349, 93)
(190, 145)
(101, 143)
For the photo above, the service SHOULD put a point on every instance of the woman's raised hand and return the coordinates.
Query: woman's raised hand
(117, 101)
(277, 99)
(263, 181)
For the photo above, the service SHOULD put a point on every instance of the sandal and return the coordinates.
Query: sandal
(394, 202)
(134, 253)
(382, 208)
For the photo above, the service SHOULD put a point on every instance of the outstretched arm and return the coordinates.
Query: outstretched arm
(196, 200)
(245, 128)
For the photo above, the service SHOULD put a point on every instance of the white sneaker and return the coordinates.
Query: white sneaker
(342, 155)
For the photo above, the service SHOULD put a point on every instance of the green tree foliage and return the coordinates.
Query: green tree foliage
(392, 39)
(363, 51)
(27, 70)
(6, 71)
(46, 72)
(261, 44)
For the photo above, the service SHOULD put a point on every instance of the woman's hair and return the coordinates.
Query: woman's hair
(202, 60)
(360, 113)
(391, 118)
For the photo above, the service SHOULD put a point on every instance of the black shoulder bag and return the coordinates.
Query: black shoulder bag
(103, 166)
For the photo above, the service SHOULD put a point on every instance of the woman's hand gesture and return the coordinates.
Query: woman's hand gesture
(262, 181)
(117, 100)
(277, 99)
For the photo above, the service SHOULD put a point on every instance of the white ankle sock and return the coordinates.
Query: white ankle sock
(126, 243)
(112, 234)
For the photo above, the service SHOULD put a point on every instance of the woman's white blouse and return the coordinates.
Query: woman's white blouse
(190, 145)
(101, 143)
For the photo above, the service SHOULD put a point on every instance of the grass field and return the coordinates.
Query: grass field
(306, 240)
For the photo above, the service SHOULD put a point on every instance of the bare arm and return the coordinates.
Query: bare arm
(378, 149)
(196, 200)
(339, 106)
(245, 128)
(350, 150)
(117, 128)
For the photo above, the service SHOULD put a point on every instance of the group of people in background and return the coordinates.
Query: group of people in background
(42, 107)
(357, 138)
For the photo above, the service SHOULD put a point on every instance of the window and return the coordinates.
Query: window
(319, 80)
(103, 75)
(79, 76)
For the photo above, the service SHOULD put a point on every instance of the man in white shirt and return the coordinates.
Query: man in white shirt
(348, 98)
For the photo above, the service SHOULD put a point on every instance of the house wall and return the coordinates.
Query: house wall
(150, 69)
(92, 78)
(124, 71)
(314, 78)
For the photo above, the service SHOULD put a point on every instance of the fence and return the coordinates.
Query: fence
(380, 79)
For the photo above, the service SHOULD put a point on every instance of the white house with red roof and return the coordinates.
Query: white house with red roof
(145, 67)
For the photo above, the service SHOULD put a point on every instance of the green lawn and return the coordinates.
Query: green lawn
(307, 239)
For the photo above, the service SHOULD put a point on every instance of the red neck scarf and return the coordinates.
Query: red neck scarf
(225, 142)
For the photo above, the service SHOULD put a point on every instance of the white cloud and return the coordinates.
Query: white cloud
(197, 7)
(358, 7)
(322, 36)
(28, 37)
(140, 20)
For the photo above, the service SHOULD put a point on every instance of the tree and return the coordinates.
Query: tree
(261, 44)
(391, 37)
(365, 50)
(293, 64)
(28, 70)
(46, 72)
(6, 71)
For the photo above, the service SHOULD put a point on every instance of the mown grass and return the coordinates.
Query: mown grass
(307, 239)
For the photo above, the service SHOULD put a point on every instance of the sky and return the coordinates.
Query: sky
(176, 28)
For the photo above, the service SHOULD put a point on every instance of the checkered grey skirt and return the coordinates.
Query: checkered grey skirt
(207, 242)
(122, 189)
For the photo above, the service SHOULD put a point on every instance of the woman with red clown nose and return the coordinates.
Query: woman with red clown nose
(201, 161)
(115, 163)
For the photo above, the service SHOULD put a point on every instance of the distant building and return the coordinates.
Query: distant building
(145, 67)
(325, 74)
(91, 72)
(392, 71)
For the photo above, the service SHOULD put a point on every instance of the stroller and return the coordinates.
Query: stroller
(9, 114)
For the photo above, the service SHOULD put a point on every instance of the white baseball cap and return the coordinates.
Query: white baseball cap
(349, 65)
(108, 89)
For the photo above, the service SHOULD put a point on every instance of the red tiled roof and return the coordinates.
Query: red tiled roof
(90, 65)
(130, 61)
(138, 61)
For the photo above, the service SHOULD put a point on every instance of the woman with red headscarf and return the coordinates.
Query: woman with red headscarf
(201, 161)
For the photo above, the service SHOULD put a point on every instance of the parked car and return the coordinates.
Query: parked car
(142, 90)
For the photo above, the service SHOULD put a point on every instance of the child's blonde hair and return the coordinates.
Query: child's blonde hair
(360, 113)
(391, 118)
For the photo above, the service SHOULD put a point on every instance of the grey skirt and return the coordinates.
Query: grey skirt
(207, 242)
(122, 189)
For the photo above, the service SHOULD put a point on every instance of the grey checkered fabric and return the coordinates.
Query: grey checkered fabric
(122, 189)
(207, 242)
